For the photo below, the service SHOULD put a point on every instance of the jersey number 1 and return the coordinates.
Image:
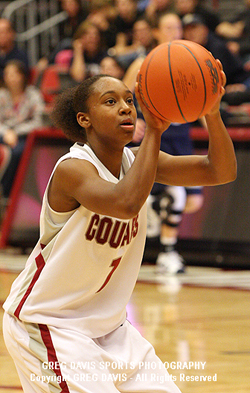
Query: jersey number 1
(114, 266)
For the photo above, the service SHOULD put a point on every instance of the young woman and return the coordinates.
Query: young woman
(88, 52)
(21, 111)
(65, 318)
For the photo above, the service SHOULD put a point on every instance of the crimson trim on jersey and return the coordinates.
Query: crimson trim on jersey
(40, 265)
(52, 358)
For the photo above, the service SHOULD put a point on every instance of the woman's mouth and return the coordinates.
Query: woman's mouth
(127, 125)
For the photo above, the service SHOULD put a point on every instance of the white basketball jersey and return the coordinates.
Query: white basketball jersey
(84, 268)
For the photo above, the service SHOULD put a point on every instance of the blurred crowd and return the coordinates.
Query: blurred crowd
(112, 37)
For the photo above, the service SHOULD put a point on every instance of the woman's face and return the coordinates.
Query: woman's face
(197, 33)
(13, 78)
(112, 114)
(126, 8)
(91, 39)
(170, 28)
(110, 67)
(7, 35)
(143, 33)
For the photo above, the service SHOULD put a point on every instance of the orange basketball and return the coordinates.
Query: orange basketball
(179, 81)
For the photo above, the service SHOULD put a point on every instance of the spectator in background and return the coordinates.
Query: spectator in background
(142, 43)
(156, 8)
(183, 7)
(237, 34)
(195, 29)
(8, 47)
(127, 14)
(21, 111)
(169, 28)
(143, 34)
(238, 79)
(77, 12)
(102, 14)
(88, 52)
(111, 66)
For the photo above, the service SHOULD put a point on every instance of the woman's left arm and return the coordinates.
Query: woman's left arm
(217, 167)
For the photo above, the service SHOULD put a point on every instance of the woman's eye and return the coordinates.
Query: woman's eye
(110, 101)
(130, 100)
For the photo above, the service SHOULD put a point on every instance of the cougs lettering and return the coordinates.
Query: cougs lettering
(115, 233)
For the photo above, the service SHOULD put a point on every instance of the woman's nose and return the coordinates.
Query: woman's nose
(125, 108)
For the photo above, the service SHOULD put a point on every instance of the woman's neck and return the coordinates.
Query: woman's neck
(111, 159)
(16, 94)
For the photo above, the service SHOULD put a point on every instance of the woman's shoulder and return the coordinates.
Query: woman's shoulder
(34, 93)
(3, 91)
(4, 95)
(34, 90)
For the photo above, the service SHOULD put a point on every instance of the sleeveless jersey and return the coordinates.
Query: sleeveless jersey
(83, 270)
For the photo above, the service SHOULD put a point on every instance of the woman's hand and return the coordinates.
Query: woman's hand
(10, 138)
(216, 108)
(152, 121)
(78, 46)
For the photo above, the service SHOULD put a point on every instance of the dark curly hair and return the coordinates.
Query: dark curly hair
(69, 103)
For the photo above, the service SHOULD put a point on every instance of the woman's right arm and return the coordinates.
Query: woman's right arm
(78, 182)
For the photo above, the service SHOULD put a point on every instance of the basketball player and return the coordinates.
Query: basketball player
(65, 318)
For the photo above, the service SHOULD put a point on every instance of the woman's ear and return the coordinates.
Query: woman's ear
(83, 119)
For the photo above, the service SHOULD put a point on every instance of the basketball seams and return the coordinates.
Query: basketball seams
(172, 80)
(178, 81)
(202, 74)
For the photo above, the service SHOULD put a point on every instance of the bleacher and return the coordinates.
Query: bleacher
(36, 23)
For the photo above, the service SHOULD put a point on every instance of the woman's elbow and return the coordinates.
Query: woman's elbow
(130, 209)
(228, 177)
(232, 173)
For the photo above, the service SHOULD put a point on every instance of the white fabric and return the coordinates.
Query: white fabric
(85, 266)
(122, 361)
